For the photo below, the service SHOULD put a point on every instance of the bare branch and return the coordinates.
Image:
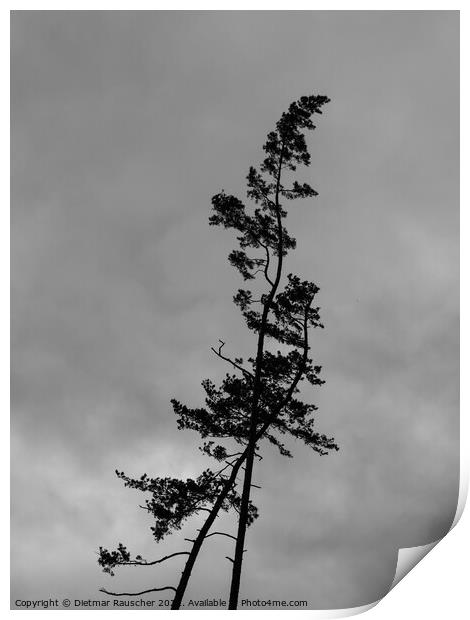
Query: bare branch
(221, 534)
(207, 509)
(227, 359)
(231, 560)
(266, 264)
(137, 593)
(145, 563)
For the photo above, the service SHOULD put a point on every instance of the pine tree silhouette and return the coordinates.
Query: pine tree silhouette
(260, 400)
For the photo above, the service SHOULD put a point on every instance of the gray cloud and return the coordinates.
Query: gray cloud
(124, 124)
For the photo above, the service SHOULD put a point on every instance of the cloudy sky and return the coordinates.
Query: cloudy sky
(124, 124)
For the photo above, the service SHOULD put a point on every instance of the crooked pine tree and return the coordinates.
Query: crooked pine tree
(259, 400)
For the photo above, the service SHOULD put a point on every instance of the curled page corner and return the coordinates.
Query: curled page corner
(408, 557)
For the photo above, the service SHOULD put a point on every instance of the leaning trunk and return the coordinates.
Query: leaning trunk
(186, 574)
(242, 523)
(245, 499)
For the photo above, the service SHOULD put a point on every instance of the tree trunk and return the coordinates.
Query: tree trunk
(242, 523)
(186, 574)
(245, 499)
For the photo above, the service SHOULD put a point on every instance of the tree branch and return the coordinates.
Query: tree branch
(295, 381)
(231, 560)
(220, 534)
(144, 563)
(227, 359)
(266, 265)
(137, 593)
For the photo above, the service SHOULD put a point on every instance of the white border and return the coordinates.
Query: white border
(437, 589)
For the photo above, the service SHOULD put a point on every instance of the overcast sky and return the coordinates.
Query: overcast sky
(124, 124)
